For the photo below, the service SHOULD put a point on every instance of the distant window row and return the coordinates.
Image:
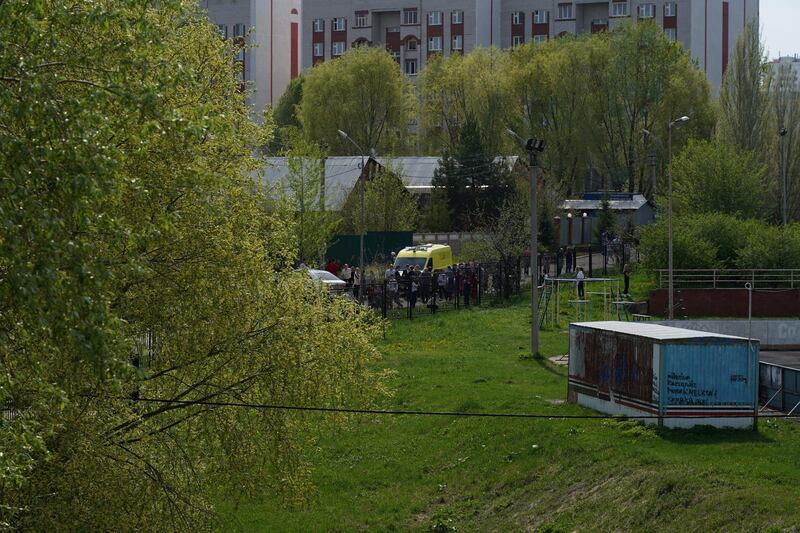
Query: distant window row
(410, 17)
(618, 9)
(434, 45)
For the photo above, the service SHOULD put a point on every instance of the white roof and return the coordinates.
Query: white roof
(634, 204)
(417, 172)
(341, 175)
(653, 331)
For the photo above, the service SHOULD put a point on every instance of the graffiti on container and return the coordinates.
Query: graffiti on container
(683, 390)
(738, 378)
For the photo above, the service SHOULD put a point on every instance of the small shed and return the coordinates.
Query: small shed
(675, 377)
(577, 223)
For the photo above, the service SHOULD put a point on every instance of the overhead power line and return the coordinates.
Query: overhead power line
(393, 412)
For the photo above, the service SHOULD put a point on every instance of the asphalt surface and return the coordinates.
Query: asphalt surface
(785, 359)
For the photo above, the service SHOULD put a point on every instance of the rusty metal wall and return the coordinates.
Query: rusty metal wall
(603, 363)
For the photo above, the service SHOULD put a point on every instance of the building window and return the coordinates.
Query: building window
(319, 25)
(517, 40)
(457, 17)
(222, 29)
(539, 38)
(361, 19)
(411, 67)
(338, 48)
(319, 49)
(517, 17)
(670, 9)
(338, 24)
(435, 44)
(647, 11)
(435, 18)
(540, 16)
(410, 16)
(411, 45)
(619, 9)
(565, 11)
(458, 42)
(672, 34)
(238, 30)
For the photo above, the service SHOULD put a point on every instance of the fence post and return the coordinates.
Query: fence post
(590, 259)
(714, 282)
(383, 297)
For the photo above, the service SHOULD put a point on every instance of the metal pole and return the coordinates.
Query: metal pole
(784, 187)
(670, 302)
(363, 229)
(534, 254)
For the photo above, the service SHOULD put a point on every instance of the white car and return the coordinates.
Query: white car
(330, 281)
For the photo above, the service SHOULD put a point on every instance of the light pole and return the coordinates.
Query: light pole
(785, 205)
(534, 147)
(678, 122)
(361, 291)
(583, 228)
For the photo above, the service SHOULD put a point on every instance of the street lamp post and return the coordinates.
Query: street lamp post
(534, 147)
(784, 203)
(678, 122)
(361, 291)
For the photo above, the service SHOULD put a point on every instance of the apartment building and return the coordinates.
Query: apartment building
(272, 30)
(413, 30)
(297, 34)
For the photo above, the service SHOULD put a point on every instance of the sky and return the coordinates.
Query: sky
(780, 26)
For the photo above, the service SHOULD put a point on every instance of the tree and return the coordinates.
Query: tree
(646, 79)
(437, 216)
(143, 281)
(743, 95)
(606, 220)
(460, 88)
(285, 114)
(475, 183)
(388, 206)
(555, 106)
(715, 177)
(363, 93)
(785, 111)
(304, 189)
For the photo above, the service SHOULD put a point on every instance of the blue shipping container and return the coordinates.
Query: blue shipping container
(678, 377)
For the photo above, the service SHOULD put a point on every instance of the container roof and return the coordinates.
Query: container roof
(654, 331)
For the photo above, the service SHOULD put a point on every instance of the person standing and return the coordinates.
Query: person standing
(626, 274)
(580, 277)
(347, 275)
(356, 282)
(569, 259)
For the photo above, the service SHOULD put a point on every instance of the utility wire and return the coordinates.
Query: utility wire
(425, 413)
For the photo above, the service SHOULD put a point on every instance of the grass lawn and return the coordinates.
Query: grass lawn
(394, 473)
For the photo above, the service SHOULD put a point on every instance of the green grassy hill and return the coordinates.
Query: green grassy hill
(395, 473)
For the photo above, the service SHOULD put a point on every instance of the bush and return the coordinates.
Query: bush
(771, 247)
(690, 248)
(717, 240)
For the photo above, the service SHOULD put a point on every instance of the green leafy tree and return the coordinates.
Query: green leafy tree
(362, 93)
(459, 89)
(646, 79)
(138, 263)
(437, 215)
(304, 189)
(284, 115)
(555, 106)
(743, 96)
(388, 206)
(717, 177)
(606, 220)
(476, 184)
(785, 112)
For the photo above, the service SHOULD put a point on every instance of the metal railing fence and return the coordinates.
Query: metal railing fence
(730, 278)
